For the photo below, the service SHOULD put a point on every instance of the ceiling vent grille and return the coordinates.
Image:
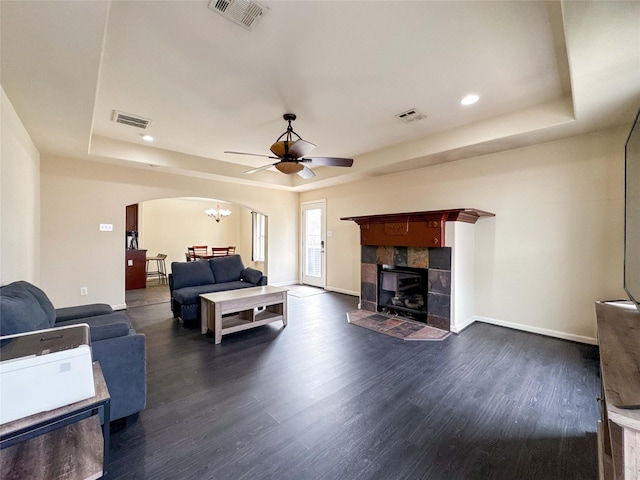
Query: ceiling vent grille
(245, 13)
(131, 120)
(411, 116)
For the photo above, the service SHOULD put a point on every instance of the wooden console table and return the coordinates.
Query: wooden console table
(619, 428)
(64, 443)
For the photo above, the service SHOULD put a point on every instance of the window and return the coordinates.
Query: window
(258, 222)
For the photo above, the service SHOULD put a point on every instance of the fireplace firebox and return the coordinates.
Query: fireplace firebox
(403, 291)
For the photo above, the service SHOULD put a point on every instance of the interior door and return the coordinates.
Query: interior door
(313, 242)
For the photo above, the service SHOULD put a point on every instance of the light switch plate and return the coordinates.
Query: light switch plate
(106, 227)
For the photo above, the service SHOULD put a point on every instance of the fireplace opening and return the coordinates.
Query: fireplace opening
(403, 291)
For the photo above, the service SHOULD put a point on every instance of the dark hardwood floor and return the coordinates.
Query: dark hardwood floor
(322, 399)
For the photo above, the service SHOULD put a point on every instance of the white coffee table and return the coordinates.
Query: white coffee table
(244, 302)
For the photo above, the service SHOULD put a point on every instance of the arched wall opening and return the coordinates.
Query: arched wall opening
(170, 225)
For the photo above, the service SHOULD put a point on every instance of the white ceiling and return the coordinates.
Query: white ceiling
(543, 70)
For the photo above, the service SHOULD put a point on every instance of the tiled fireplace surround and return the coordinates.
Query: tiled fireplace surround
(440, 241)
(436, 260)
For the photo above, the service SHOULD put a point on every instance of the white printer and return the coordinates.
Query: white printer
(43, 370)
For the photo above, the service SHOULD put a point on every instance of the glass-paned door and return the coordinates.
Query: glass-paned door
(313, 241)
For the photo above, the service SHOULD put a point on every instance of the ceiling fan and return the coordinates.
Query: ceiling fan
(290, 154)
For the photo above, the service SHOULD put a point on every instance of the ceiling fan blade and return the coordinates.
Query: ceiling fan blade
(306, 172)
(263, 167)
(252, 154)
(329, 161)
(300, 148)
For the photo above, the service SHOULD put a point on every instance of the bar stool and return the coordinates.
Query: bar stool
(160, 271)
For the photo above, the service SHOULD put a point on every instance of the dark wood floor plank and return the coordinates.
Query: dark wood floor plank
(323, 399)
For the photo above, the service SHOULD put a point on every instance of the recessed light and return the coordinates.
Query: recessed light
(147, 138)
(470, 99)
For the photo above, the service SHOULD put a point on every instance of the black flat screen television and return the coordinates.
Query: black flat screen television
(632, 214)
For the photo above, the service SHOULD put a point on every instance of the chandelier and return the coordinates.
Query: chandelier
(217, 213)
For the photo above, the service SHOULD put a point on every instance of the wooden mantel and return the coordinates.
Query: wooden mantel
(414, 229)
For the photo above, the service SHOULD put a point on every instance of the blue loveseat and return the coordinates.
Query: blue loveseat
(188, 280)
(114, 343)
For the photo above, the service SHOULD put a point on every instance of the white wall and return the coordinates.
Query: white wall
(553, 248)
(78, 195)
(19, 200)
(461, 237)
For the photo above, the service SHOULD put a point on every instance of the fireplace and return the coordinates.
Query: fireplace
(420, 265)
(432, 266)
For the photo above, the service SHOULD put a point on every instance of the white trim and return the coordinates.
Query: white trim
(462, 325)
(539, 331)
(342, 290)
(122, 306)
(286, 283)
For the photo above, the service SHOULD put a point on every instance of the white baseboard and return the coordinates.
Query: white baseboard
(122, 306)
(463, 325)
(286, 283)
(342, 290)
(539, 331)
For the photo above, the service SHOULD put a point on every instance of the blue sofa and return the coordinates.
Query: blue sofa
(188, 280)
(114, 343)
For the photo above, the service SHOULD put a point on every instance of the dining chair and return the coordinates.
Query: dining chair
(232, 250)
(200, 251)
(219, 251)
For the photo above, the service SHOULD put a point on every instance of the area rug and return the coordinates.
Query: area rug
(301, 291)
(394, 326)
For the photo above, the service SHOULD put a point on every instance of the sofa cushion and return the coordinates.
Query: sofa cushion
(226, 269)
(82, 311)
(191, 295)
(42, 299)
(190, 274)
(103, 330)
(20, 311)
(251, 275)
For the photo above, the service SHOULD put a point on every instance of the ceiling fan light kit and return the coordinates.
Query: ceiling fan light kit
(289, 167)
(291, 153)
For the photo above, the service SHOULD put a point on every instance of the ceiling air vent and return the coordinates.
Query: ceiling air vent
(411, 116)
(132, 120)
(245, 13)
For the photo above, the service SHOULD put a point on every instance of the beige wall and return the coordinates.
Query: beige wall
(553, 249)
(19, 200)
(77, 196)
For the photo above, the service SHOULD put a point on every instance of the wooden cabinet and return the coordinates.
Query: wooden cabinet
(135, 268)
(619, 428)
(132, 218)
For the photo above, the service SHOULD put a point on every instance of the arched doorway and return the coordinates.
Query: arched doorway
(170, 225)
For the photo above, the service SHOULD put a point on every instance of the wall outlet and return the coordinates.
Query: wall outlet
(84, 291)
(106, 227)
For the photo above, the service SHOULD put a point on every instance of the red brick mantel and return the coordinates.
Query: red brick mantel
(415, 229)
